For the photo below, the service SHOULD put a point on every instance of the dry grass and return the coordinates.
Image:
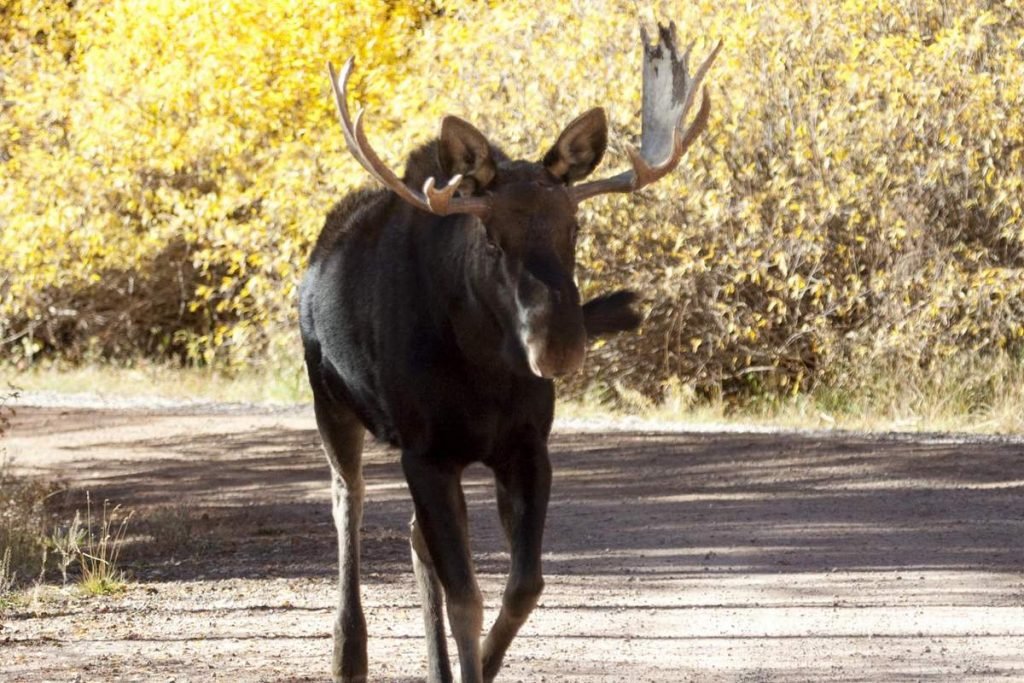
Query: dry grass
(34, 542)
(7, 579)
(26, 515)
(963, 393)
(100, 552)
(280, 382)
(969, 394)
(975, 395)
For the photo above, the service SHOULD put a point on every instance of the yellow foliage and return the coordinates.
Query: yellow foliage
(164, 168)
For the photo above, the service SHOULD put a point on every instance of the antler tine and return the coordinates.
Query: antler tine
(341, 100)
(441, 202)
(668, 94)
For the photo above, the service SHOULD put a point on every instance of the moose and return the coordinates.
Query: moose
(437, 318)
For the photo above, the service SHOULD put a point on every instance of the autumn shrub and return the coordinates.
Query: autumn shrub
(855, 203)
(165, 168)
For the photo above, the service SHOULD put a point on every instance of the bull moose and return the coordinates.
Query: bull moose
(436, 319)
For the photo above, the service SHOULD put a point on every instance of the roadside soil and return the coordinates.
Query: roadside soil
(668, 556)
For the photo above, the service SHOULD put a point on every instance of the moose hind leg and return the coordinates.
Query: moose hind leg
(522, 488)
(349, 661)
(438, 666)
(342, 436)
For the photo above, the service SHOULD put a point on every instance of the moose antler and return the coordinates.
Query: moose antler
(668, 92)
(441, 202)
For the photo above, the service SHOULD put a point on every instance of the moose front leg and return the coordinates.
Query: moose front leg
(441, 519)
(438, 667)
(522, 485)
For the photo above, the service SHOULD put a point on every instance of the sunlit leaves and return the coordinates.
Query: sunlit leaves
(164, 168)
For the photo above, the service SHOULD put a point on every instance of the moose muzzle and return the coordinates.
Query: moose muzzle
(551, 326)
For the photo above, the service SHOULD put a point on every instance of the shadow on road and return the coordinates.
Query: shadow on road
(255, 504)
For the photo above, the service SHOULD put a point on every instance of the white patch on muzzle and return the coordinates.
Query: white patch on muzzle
(533, 330)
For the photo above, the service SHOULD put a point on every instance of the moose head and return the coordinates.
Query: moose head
(522, 224)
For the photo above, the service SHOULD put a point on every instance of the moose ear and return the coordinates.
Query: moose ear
(579, 148)
(464, 150)
(610, 313)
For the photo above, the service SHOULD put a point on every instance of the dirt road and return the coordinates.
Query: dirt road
(669, 556)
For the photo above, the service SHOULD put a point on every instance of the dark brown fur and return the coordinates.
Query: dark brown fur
(440, 335)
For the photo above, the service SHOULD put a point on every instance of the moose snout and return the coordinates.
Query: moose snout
(553, 361)
(551, 329)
